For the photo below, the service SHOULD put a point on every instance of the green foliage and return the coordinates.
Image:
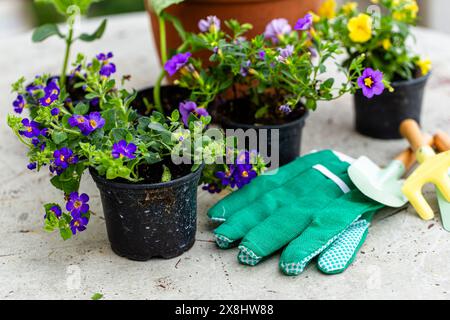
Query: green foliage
(97, 34)
(46, 31)
(97, 296)
(159, 6)
(65, 7)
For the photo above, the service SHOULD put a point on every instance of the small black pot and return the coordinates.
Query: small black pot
(144, 221)
(171, 96)
(290, 135)
(381, 116)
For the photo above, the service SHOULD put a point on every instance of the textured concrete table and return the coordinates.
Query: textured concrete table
(403, 257)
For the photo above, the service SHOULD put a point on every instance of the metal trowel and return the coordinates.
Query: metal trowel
(442, 144)
(384, 185)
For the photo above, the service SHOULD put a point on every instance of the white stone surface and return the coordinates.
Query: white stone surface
(404, 257)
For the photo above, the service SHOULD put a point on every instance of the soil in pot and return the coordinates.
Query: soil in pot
(240, 114)
(381, 116)
(151, 220)
(171, 96)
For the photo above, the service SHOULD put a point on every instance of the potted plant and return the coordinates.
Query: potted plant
(149, 199)
(269, 81)
(383, 35)
(70, 10)
(256, 12)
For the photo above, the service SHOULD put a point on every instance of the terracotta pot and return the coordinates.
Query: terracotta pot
(256, 12)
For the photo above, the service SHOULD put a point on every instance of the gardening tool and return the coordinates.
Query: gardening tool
(442, 144)
(384, 185)
(433, 169)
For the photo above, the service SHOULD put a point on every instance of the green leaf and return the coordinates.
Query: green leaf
(81, 108)
(166, 176)
(159, 6)
(45, 31)
(59, 137)
(96, 35)
(97, 296)
(65, 233)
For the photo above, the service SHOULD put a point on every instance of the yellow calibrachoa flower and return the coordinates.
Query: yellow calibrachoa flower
(387, 44)
(425, 66)
(349, 7)
(360, 28)
(328, 9)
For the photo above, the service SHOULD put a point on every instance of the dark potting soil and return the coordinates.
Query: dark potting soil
(243, 111)
(171, 96)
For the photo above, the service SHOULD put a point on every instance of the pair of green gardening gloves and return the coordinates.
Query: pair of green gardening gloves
(309, 207)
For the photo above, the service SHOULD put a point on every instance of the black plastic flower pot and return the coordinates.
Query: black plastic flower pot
(381, 116)
(146, 221)
(290, 136)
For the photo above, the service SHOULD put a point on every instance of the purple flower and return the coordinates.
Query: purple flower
(188, 107)
(212, 188)
(122, 149)
(56, 211)
(211, 23)
(177, 62)
(262, 55)
(276, 29)
(94, 121)
(108, 68)
(62, 159)
(304, 23)
(371, 82)
(78, 224)
(227, 177)
(19, 104)
(52, 92)
(285, 53)
(104, 57)
(54, 112)
(285, 109)
(32, 166)
(31, 89)
(244, 174)
(81, 122)
(35, 142)
(31, 129)
(244, 68)
(77, 204)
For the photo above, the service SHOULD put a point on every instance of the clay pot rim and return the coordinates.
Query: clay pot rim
(144, 186)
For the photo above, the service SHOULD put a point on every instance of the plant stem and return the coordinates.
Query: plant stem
(69, 42)
(157, 92)
(162, 40)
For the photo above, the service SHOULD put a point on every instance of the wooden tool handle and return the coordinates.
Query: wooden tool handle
(408, 157)
(442, 141)
(410, 130)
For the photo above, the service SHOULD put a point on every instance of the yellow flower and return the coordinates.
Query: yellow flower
(387, 44)
(328, 9)
(349, 7)
(425, 66)
(315, 17)
(360, 28)
(408, 10)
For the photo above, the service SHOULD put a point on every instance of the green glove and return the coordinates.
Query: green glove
(306, 206)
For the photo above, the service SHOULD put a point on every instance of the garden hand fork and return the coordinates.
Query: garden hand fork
(433, 169)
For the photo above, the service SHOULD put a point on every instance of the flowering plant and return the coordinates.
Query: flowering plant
(279, 72)
(111, 139)
(382, 35)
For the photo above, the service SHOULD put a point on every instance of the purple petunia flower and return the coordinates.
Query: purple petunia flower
(177, 62)
(31, 129)
(54, 112)
(304, 23)
(285, 53)
(62, 159)
(371, 82)
(77, 204)
(52, 92)
(227, 177)
(285, 109)
(32, 166)
(94, 121)
(244, 68)
(211, 23)
(122, 149)
(19, 104)
(276, 29)
(244, 174)
(78, 224)
(212, 188)
(56, 211)
(188, 107)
